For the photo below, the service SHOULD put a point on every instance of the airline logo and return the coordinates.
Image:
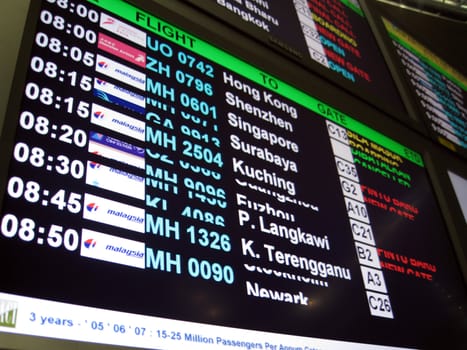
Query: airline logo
(119, 122)
(91, 207)
(113, 213)
(111, 148)
(102, 64)
(115, 180)
(119, 96)
(120, 72)
(90, 243)
(123, 30)
(101, 246)
(121, 50)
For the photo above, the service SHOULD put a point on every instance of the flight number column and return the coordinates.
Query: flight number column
(184, 170)
(373, 279)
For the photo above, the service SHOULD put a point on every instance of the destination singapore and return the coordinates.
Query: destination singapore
(260, 133)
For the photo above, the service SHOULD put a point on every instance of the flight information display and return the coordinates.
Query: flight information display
(440, 89)
(162, 193)
(331, 34)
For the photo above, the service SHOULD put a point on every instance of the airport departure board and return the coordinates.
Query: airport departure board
(439, 88)
(162, 193)
(330, 34)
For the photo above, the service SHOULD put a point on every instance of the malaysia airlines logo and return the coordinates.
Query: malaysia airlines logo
(114, 213)
(98, 115)
(112, 249)
(101, 82)
(92, 207)
(103, 64)
(121, 72)
(90, 243)
(119, 122)
(94, 165)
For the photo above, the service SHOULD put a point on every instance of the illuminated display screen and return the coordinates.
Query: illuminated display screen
(333, 34)
(440, 89)
(158, 198)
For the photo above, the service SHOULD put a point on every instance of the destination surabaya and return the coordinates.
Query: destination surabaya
(263, 153)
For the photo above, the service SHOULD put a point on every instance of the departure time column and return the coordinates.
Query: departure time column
(46, 178)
